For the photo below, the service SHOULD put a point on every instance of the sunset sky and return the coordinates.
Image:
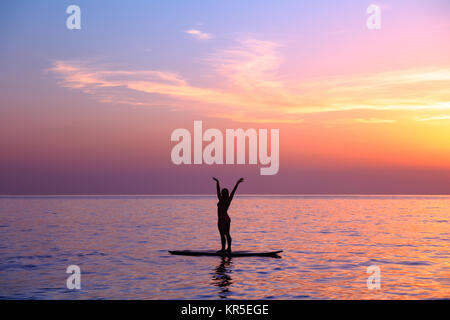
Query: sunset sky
(91, 111)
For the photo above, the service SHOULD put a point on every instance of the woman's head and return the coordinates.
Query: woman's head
(225, 193)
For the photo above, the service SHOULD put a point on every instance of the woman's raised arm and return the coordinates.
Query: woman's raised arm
(235, 187)
(217, 187)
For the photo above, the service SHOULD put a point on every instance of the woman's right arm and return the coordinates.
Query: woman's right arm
(217, 187)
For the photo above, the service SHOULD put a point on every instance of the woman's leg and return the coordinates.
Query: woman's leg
(227, 234)
(222, 235)
(229, 241)
(223, 240)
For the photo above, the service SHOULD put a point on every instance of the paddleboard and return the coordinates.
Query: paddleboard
(226, 254)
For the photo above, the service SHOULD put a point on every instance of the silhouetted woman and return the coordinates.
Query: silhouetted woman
(222, 211)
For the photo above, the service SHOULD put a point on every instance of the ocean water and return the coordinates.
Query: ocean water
(120, 244)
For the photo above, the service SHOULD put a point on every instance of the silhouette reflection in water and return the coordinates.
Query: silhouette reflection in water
(222, 278)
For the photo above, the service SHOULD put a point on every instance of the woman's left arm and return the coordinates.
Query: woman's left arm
(235, 187)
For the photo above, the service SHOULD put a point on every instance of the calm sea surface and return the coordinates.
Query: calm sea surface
(121, 242)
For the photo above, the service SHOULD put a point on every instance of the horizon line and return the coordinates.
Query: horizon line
(213, 194)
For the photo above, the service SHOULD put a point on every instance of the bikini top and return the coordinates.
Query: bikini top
(223, 205)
